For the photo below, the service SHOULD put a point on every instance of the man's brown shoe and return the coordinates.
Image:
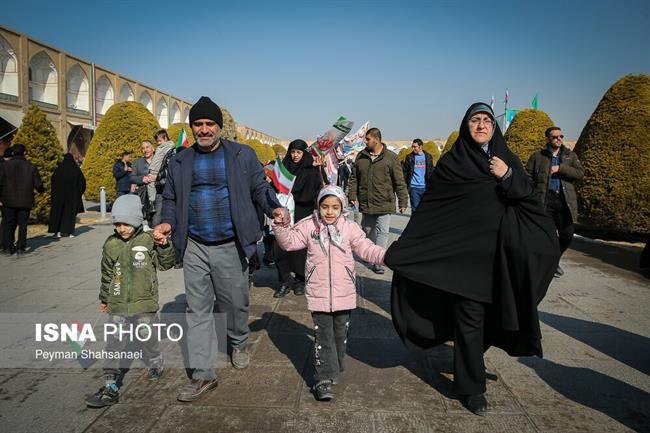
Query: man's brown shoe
(195, 389)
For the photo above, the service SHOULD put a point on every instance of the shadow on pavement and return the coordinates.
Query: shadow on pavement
(597, 391)
(624, 346)
(43, 240)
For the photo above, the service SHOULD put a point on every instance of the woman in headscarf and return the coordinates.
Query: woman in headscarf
(305, 191)
(68, 185)
(476, 258)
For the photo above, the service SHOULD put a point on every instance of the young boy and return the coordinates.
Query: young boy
(129, 290)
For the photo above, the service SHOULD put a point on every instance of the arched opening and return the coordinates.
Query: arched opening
(43, 80)
(175, 114)
(8, 72)
(186, 115)
(126, 93)
(77, 95)
(145, 99)
(78, 141)
(162, 114)
(105, 97)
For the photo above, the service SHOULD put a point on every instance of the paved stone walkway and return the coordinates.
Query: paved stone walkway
(594, 376)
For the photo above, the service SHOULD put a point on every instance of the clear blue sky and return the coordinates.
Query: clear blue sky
(411, 68)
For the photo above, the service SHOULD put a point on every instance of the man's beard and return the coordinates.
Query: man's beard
(211, 144)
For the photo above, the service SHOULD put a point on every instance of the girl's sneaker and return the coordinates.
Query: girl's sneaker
(106, 396)
(323, 390)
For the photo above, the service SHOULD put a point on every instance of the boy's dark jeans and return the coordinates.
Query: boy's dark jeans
(150, 348)
(330, 339)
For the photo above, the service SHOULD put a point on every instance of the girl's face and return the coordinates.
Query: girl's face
(330, 209)
(296, 155)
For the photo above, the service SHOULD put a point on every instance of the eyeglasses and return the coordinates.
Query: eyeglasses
(556, 137)
(476, 121)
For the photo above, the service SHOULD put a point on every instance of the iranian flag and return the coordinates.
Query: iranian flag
(182, 139)
(282, 178)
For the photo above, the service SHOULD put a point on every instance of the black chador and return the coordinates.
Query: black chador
(68, 185)
(474, 261)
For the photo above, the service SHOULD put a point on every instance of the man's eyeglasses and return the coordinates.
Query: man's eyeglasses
(556, 137)
(475, 121)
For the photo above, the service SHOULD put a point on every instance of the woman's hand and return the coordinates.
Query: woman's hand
(318, 160)
(497, 167)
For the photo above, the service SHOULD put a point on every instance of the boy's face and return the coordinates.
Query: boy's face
(330, 209)
(124, 230)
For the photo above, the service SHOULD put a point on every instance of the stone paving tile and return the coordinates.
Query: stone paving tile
(282, 349)
(127, 418)
(292, 302)
(291, 322)
(198, 419)
(367, 387)
(409, 422)
(37, 390)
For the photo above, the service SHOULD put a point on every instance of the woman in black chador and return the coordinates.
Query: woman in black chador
(305, 191)
(476, 258)
(68, 185)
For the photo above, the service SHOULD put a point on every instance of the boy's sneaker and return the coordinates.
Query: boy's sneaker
(154, 373)
(323, 390)
(195, 389)
(106, 396)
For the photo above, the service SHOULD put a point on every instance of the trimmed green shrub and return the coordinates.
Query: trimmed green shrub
(432, 148)
(614, 148)
(175, 129)
(123, 128)
(263, 151)
(403, 152)
(525, 135)
(450, 141)
(42, 148)
(279, 150)
(229, 130)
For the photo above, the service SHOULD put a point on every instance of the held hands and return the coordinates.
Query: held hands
(103, 308)
(555, 169)
(160, 234)
(402, 210)
(281, 217)
(497, 167)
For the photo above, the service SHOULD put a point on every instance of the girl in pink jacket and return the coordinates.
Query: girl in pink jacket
(330, 281)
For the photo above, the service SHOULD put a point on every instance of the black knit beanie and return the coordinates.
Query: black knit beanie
(206, 109)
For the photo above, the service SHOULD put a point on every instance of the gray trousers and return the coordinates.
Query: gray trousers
(376, 228)
(214, 272)
(330, 340)
(150, 347)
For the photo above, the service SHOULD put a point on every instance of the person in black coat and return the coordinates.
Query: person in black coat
(18, 180)
(68, 187)
(475, 259)
(305, 189)
(122, 173)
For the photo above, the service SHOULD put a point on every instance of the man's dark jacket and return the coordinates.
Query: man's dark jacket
(409, 167)
(18, 180)
(374, 184)
(539, 169)
(122, 177)
(246, 183)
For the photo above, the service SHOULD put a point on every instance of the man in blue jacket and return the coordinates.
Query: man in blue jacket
(208, 209)
(122, 174)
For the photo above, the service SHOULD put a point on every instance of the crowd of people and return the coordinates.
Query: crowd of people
(481, 247)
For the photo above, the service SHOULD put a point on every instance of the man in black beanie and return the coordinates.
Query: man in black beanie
(209, 210)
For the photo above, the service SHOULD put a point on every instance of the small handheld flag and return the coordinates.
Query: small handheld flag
(182, 140)
(282, 178)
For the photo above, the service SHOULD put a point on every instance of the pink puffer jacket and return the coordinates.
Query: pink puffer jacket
(330, 280)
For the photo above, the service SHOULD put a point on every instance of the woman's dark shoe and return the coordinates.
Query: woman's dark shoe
(282, 291)
(477, 403)
(323, 391)
(299, 288)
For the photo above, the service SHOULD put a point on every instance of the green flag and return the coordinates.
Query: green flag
(534, 103)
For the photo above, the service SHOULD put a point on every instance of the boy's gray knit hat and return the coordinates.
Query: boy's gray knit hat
(127, 209)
